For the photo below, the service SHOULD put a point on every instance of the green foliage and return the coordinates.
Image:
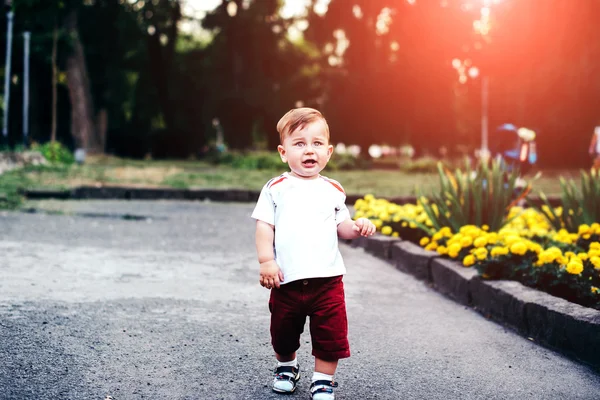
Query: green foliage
(347, 162)
(270, 160)
(422, 164)
(10, 184)
(55, 152)
(579, 206)
(248, 161)
(479, 196)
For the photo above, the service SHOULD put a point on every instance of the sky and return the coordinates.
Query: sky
(196, 9)
(290, 8)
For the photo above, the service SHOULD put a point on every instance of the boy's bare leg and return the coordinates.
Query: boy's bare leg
(325, 367)
(285, 357)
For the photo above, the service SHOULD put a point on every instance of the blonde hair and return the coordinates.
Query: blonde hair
(298, 118)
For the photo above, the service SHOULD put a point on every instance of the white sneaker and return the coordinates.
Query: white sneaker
(285, 379)
(322, 390)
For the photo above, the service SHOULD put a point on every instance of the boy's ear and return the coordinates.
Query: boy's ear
(329, 151)
(281, 151)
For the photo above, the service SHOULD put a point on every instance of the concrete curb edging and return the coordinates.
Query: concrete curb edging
(131, 193)
(166, 193)
(567, 327)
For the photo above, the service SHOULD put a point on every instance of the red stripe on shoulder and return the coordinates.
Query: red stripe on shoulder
(336, 185)
(277, 181)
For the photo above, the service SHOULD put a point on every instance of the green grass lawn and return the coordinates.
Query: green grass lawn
(110, 171)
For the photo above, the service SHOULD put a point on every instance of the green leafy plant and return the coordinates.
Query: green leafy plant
(476, 196)
(55, 152)
(347, 162)
(10, 184)
(578, 206)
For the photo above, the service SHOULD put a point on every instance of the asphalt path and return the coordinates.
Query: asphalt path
(160, 300)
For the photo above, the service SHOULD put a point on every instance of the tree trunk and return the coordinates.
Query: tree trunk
(54, 83)
(82, 108)
(102, 126)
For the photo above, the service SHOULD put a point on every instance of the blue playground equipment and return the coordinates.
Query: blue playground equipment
(516, 146)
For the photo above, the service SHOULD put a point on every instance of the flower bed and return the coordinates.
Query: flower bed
(526, 249)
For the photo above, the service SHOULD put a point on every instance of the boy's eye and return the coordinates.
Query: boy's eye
(318, 144)
(300, 144)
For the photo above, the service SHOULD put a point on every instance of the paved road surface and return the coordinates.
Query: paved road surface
(169, 307)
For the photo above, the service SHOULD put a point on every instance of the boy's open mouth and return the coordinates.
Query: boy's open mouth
(309, 162)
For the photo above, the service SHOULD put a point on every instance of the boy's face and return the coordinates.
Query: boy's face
(306, 150)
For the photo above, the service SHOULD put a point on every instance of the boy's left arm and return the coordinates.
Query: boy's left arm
(349, 229)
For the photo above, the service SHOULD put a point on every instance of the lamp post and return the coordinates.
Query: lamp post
(485, 82)
(465, 71)
(9, 29)
(27, 41)
(485, 150)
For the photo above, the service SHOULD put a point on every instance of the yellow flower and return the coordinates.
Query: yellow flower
(369, 197)
(445, 231)
(469, 260)
(595, 246)
(512, 239)
(584, 229)
(378, 223)
(595, 290)
(442, 250)
(518, 248)
(395, 234)
(481, 253)
(499, 251)
(574, 267)
(466, 241)
(360, 203)
(595, 260)
(593, 253)
(424, 241)
(454, 249)
(431, 246)
(386, 230)
(481, 241)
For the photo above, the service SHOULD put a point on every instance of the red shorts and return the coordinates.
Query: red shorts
(321, 299)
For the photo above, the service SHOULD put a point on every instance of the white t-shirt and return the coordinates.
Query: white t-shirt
(305, 213)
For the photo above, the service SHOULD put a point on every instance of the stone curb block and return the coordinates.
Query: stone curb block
(47, 194)
(379, 245)
(128, 193)
(360, 241)
(413, 259)
(504, 301)
(566, 326)
(452, 279)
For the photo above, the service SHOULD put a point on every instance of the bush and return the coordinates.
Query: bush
(55, 152)
(422, 164)
(480, 196)
(579, 206)
(247, 161)
(347, 162)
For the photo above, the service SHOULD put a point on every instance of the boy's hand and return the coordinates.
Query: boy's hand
(364, 227)
(270, 274)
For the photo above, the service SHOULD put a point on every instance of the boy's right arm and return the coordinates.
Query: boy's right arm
(270, 273)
